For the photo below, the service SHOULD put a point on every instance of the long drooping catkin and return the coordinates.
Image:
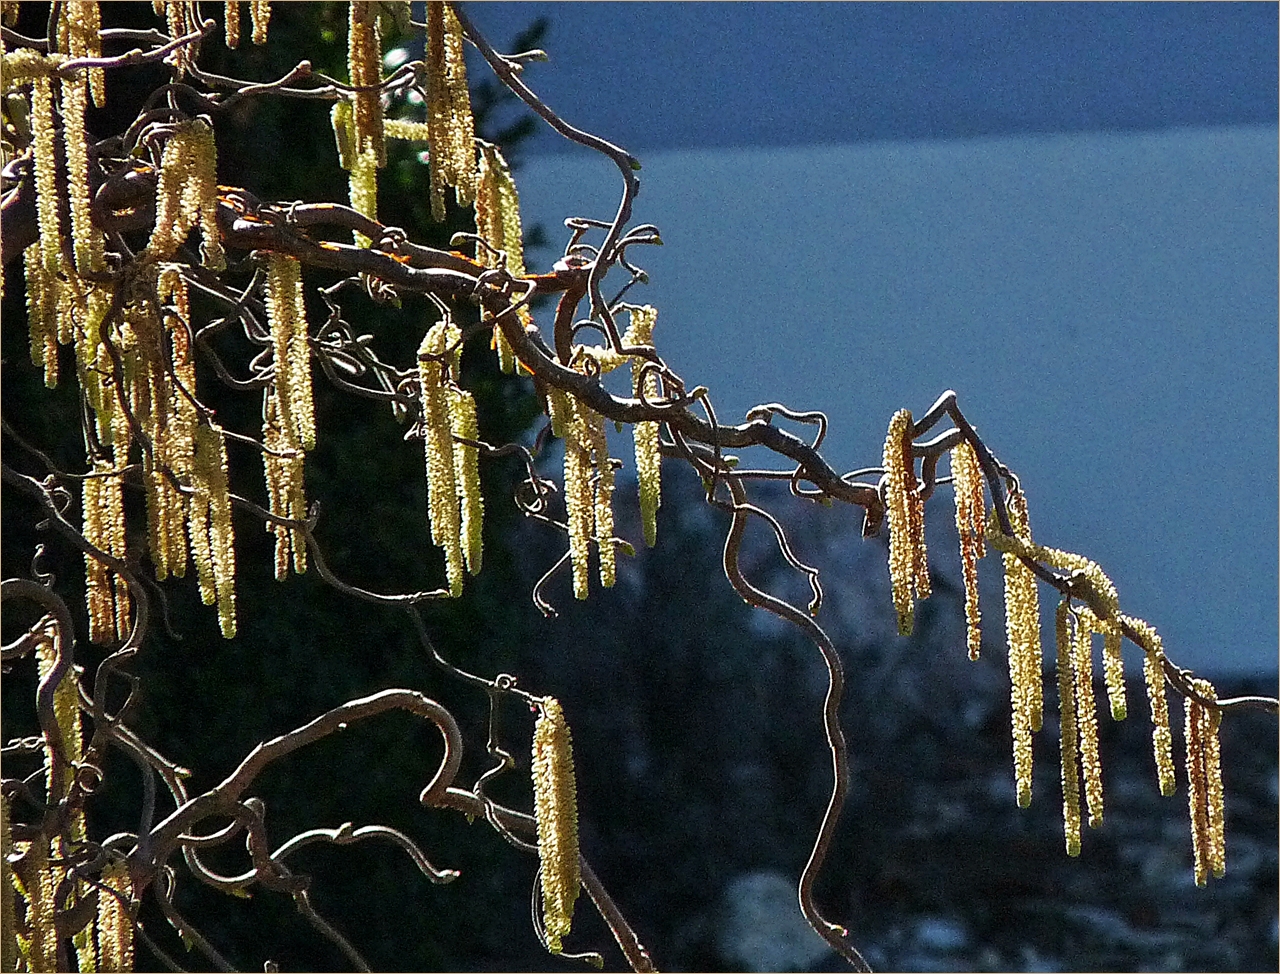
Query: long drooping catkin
(555, 804)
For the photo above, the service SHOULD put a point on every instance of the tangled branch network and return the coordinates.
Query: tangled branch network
(127, 240)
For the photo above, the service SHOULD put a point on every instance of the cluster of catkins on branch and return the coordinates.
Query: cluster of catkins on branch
(1089, 607)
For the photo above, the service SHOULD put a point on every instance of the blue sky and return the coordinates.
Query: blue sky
(1067, 213)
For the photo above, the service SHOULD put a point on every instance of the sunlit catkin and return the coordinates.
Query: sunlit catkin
(593, 425)
(214, 553)
(1204, 784)
(437, 435)
(645, 434)
(971, 516)
(287, 315)
(1069, 734)
(45, 159)
(42, 315)
(1153, 671)
(498, 224)
(453, 156)
(1113, 670)
(466, 472)
(1086, 708)
(556, 810)
(260, 15)
(115, 928)
(187, 194)
(578, 495)
(364, 68)
(37, 878)
(283, 466)
(87, 243)
(908, 565)
(1022, 631)
(231, 22)
(79, 37)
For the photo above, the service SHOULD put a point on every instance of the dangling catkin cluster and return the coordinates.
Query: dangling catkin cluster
(102, 506)
(287, 314)
(647, 447)
(498, 224)
(971, 517)
(1022, 631)
(555, 803)
(908, 557)
(187, 194)
(1087, 722)
(1204, 784)
(588, 489)
(454, 503)
(453, 154)
(79, 37)
(283, 467)
(212, 535)
(163, 391)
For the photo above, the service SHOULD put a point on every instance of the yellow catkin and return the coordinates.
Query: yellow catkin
(287, 315)
(1216, 795)
(212, 532)
(453, 156)
(645, 434)
(42, 315)
(498, 224)
(1022, 630)
(115, 928)
(8, 895)
(1153, 671)
(44, 157)
(187, 194)
(363, 191)
(86, 238)
(592, 424)
(37, 878)
(231, 20)
(79, 37)
(558, 411)
(1197, 789)
(260, 17)
(466, 469)
(1069, 733)
(971, 516)
(556, 810)
(102, 505)
(283, 464)
(901, 508)
(364, 68)
(181, 19)
(176, 400)
(1087, 720)
(1113, 670)
(340, 119)
(437, 434)
(1204, 784)
(578, 495)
